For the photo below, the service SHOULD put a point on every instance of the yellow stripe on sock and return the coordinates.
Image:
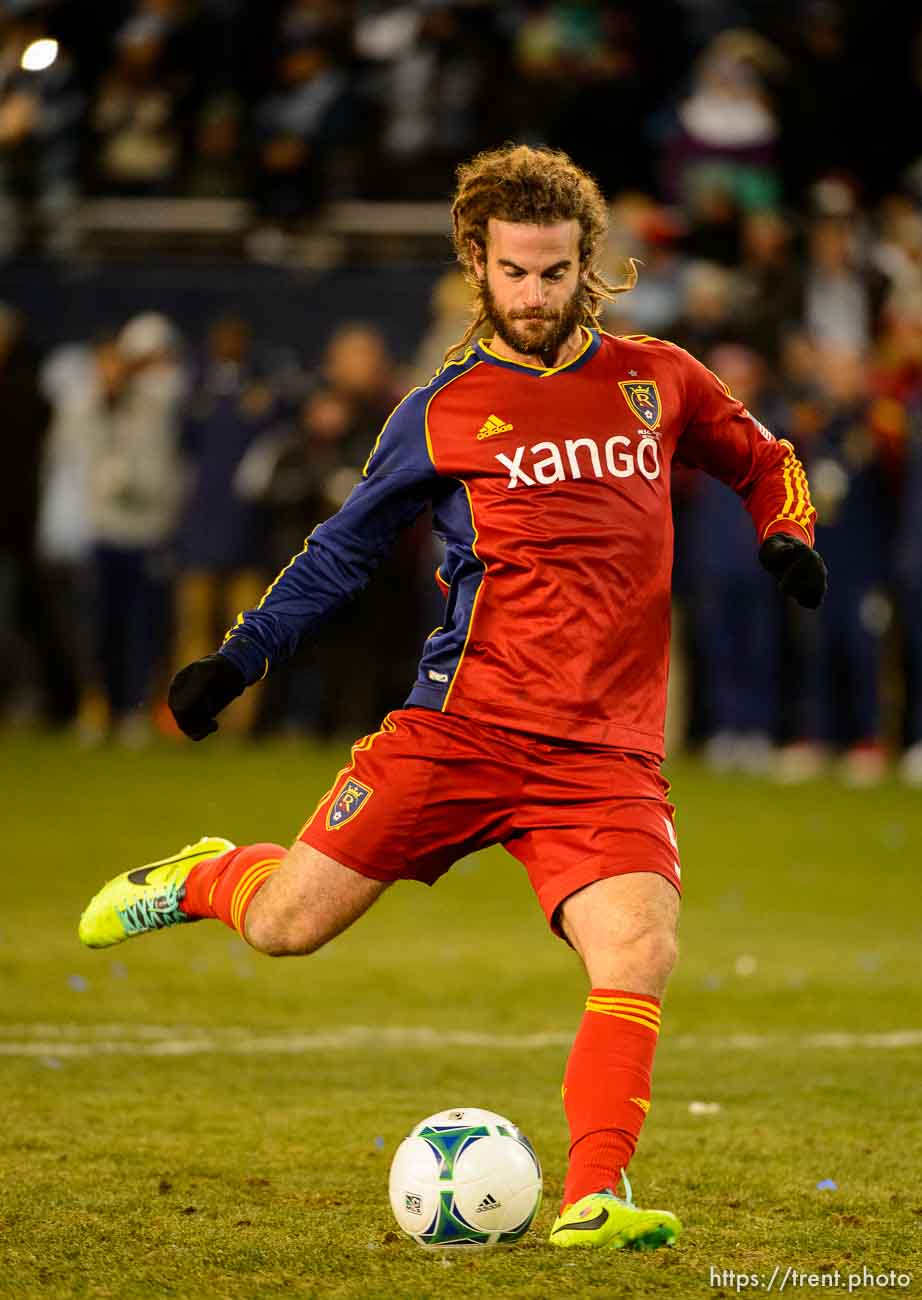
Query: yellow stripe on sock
(242, 904)
(263, 868)
(626, 999)
(629, 1010)
(251, 870)
(621, 1015)
(266, 867)
(625, 1004)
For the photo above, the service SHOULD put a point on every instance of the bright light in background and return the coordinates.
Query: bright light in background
(39, 55)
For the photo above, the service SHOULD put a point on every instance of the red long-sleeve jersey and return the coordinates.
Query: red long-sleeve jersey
(551, 490)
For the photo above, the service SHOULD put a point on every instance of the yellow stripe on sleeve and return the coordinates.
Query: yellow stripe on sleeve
(797, 507)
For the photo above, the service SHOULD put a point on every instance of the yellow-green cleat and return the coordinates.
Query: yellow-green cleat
(145, 899)
(606, 1222)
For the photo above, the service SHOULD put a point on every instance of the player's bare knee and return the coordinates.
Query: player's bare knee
(283, 942)
(278, 935)
(636, 952)
(661, 951)
(650, 946)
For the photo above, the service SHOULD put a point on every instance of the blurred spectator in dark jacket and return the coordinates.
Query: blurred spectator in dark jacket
(842, 453)
(25, 412)
(708, 315)
(734, 610)
(357, 365)
(300, 126)
(897, 415)
(301, 473)
(909, 591)
(358, 368)
(358, 665)
(237, 396)
(769, 282)
(40, 111)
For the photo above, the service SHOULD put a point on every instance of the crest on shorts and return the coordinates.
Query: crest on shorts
(642, 396)
(350, 800)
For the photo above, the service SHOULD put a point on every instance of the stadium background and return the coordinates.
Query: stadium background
(283, 170)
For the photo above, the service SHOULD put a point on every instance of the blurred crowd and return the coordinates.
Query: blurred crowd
(718, 107)
(151, 492)
(772, 193)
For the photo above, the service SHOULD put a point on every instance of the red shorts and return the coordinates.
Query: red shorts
(430, 788)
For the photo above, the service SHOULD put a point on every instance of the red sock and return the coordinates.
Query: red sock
(606, 1090)
(224, 887)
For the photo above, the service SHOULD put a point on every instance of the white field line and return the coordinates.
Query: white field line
(72, 1040)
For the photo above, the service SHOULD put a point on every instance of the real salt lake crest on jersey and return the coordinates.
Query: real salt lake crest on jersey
(350, 800)
(551, 491)
(642, 397)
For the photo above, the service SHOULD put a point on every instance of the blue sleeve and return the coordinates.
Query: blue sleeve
(339, 556)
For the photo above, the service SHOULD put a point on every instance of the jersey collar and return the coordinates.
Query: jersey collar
(586, 353)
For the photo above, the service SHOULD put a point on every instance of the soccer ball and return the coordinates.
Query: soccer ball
(465, 1177)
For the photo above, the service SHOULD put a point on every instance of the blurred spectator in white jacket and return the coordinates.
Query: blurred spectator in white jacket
(131, 413)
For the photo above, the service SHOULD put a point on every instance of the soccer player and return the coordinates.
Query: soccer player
(536, 718)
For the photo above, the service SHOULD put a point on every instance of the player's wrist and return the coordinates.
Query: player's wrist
(246, 656)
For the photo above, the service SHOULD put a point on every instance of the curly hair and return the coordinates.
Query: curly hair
(536, 187)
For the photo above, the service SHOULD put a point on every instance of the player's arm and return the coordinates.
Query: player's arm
(724, 440)
(338, 558)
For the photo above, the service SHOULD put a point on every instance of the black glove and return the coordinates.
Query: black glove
(797, 568)
(201, 690)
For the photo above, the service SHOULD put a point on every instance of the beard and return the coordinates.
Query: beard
(535, 331)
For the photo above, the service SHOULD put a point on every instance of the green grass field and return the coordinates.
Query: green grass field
(184, 1118)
